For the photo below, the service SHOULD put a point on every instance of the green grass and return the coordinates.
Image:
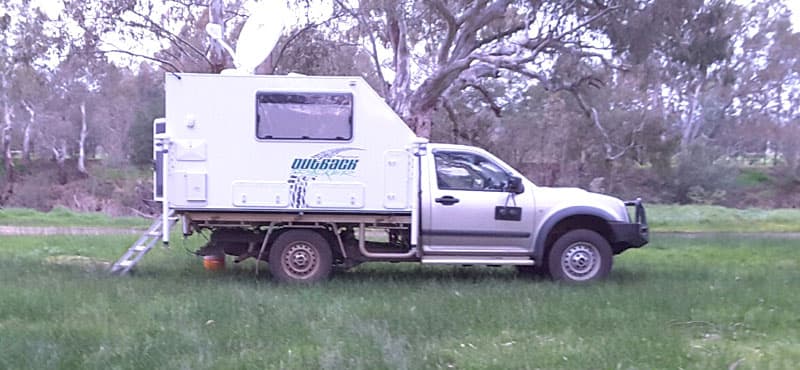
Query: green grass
(689, 302)
(702, 218)
(752, 177)
(62, 217)
(662, 218)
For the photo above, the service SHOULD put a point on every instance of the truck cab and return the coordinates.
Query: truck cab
(474, 204)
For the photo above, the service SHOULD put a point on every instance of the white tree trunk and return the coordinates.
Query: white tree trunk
(26, 142)
(60, 154)
(691, 126)
(82, 142)
(401, 87)
(26, 136)
(6, 135)
(216, 54)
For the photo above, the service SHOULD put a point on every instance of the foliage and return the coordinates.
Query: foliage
(570, 92)
(700, 175)
(149, 104)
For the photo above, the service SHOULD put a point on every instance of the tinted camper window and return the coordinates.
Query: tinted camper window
(304, 116)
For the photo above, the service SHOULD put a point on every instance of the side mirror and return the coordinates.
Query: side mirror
(515, 185)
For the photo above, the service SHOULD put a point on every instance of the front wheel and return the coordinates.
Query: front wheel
(300, 256)
(580, 256)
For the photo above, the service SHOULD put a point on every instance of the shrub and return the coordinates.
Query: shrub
(702, 175)
(752, 177)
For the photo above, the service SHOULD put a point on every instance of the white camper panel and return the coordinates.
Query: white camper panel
(283, 143)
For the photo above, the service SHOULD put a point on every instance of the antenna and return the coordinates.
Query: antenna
(258, 37)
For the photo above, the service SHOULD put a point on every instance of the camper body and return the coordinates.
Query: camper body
(308, 173)
(246, 143)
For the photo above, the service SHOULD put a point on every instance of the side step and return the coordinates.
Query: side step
(143, 245)
(477, 260)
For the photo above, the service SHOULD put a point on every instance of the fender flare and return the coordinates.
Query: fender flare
(558, 216)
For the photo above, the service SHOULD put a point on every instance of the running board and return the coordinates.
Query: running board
(476, 260)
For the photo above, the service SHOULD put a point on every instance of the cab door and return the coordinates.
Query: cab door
(470, 211)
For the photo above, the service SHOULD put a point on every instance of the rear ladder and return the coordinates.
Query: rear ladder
(143, 245)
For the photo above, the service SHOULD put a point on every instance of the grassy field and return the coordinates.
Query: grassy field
(691, 302)
(699, 218)
(62, 217)
(662, 218)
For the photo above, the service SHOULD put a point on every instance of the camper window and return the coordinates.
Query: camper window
(304, 116)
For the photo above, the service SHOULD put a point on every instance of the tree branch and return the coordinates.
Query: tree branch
(297, 34)
(591, 19)
(466, 39)
(591, 112)
(496, 108)
(164, 62)
(160, 30)
(374, 54)
(402, 55)
(452, 27)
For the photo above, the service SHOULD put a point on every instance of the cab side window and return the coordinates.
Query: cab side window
(468, 171)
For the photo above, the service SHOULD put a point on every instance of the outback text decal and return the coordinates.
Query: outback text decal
(325, 164)
(329, 163)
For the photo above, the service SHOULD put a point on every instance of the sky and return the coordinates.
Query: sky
(794, 5)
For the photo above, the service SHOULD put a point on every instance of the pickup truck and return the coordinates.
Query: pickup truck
(473, 209)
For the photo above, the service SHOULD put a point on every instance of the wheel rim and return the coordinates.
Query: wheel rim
(580, 261)
(300, 260)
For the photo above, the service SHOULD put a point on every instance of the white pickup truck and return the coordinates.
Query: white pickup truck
(308, 173)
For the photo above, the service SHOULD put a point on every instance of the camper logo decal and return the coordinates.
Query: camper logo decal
(330, 163)
(297, 191)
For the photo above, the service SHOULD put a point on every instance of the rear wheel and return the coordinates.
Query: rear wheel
(300, 256)
(580, 256)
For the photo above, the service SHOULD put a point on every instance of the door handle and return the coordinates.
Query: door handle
(447, 200)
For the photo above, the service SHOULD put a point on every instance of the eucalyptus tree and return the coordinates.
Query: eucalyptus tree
(762, 99)
(170, 33)
(442, 48)
(29, 43)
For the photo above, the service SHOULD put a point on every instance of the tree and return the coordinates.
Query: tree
(28, 41)
(178, 26)
(441, 48)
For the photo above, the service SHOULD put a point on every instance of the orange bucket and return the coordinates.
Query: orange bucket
(214, 262)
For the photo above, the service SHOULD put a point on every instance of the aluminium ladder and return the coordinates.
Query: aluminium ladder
(142, 246)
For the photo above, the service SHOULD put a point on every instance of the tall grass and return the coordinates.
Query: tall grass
(682, 302)
(662, 218)
(702, 218)
(60, 216)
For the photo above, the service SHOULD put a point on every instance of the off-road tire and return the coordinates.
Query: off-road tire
(580, 256)
(300, 256)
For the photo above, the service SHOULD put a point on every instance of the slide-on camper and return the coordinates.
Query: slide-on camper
(307, 173)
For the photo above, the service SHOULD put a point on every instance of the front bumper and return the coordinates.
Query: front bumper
(630, 235)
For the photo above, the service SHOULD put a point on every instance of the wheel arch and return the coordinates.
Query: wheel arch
(578, 217)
